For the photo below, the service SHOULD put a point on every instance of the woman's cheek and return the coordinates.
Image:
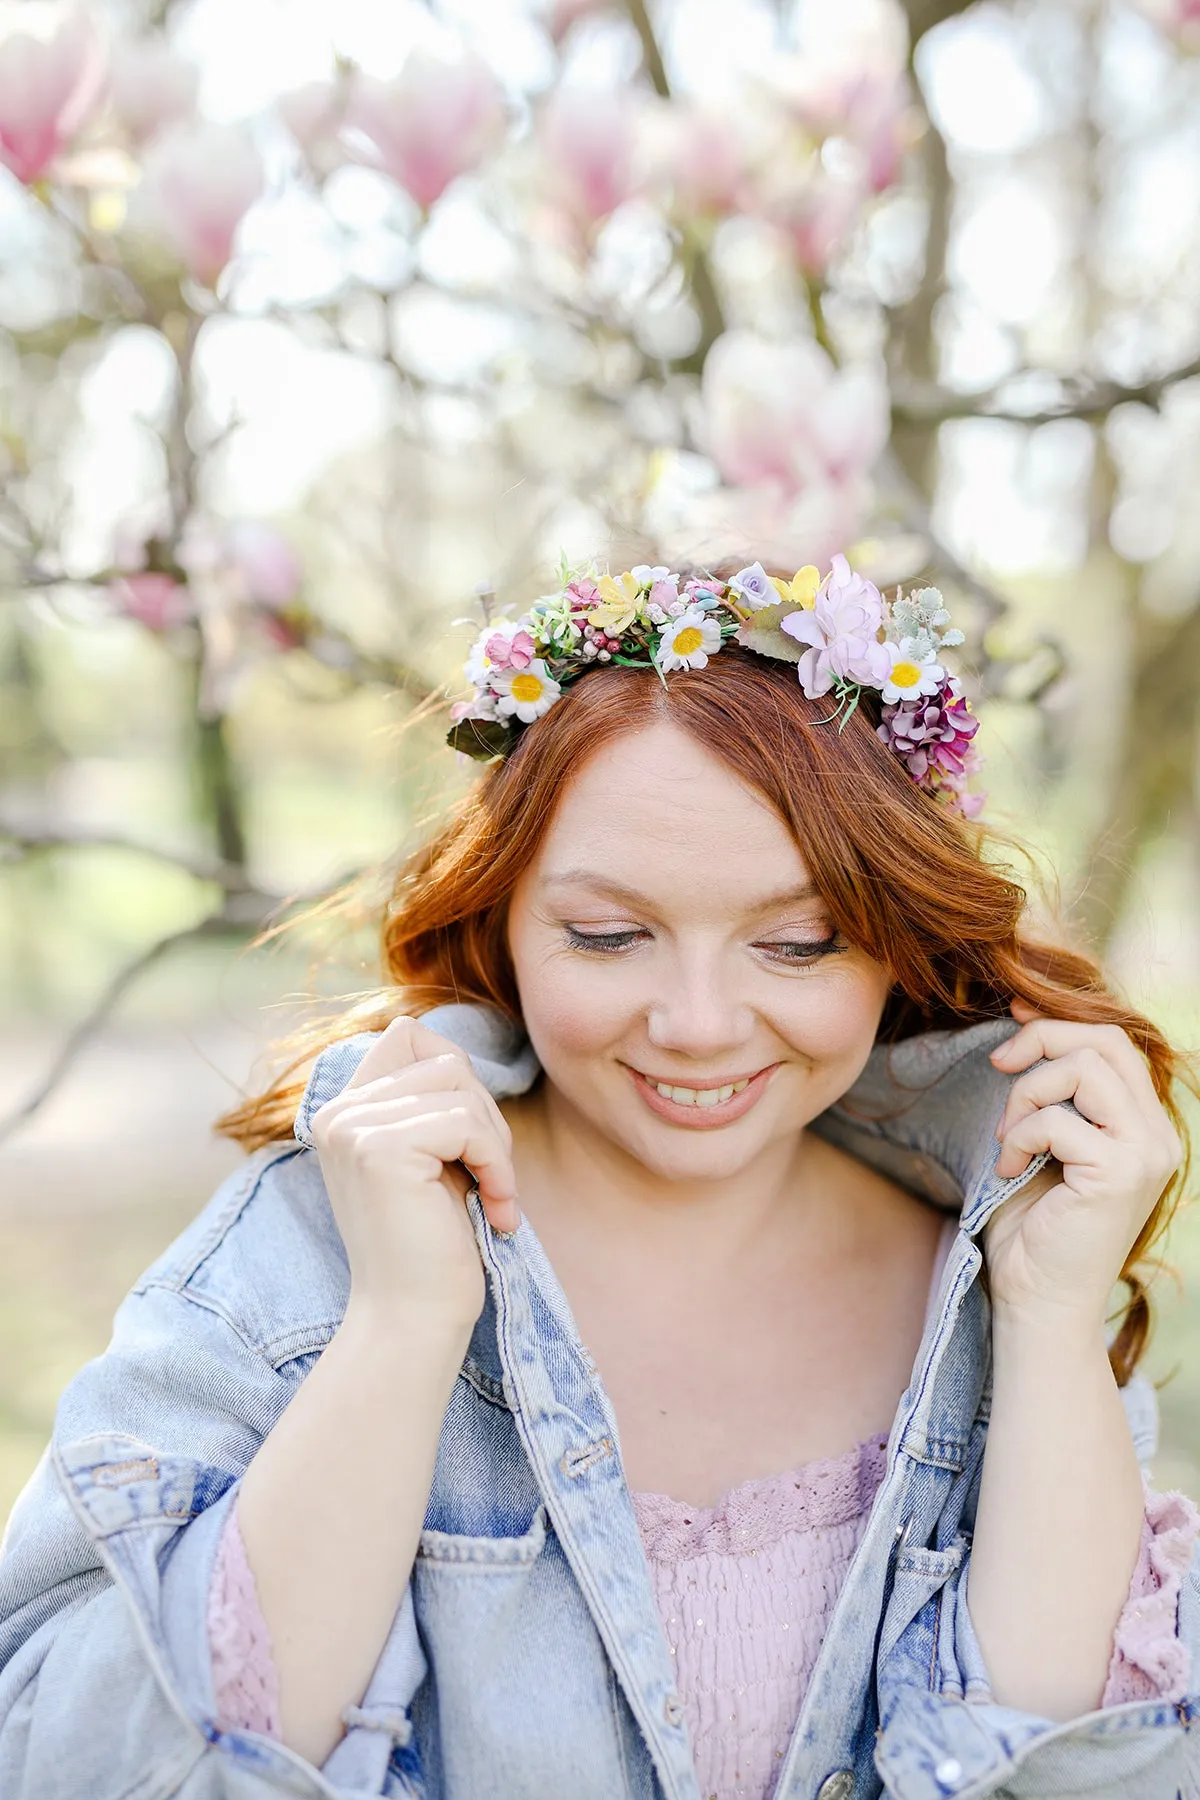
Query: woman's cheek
(575, 1011)
(835, 1021)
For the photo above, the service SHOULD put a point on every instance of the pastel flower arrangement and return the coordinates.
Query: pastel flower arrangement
(845, 640)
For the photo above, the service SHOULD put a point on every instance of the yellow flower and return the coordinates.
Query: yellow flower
(620, 604)
(802, 589)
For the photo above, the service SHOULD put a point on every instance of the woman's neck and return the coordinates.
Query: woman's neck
(581, 1189)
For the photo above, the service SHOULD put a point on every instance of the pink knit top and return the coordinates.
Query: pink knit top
(745, 1590)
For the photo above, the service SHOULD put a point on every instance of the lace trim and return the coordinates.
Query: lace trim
(1149, 1660)
(245, 1679)
(757, 1513)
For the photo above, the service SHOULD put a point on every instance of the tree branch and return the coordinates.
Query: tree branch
(929, 404)
(24, 840)
(216, 925)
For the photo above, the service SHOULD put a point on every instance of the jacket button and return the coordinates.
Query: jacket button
(838, 1786)
(672, 1709)
(949, 1772)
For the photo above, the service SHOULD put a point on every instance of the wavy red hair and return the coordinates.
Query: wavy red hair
(903, 878)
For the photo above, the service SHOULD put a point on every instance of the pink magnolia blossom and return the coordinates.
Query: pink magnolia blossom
(562, 14)
(1180, 19)
(266, 567)
(200, 180)
(782, 414)
(588, 143)
(150, 86)
(48, 92)
(156, 601)
(814, 211)
(315, 114)
(701, 154)
(841, 633)
(432, 123)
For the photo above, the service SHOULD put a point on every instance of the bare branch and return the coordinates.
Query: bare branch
(651, 54)
(217, 925)
(25, 840)
(929, 404)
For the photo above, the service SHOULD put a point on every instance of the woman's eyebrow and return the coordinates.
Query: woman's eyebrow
(597, 883)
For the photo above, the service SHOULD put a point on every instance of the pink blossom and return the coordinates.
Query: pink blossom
(200, 180)
(156, 601)
(267, 568)
(587, 142)
(150, 86)
(841, 632)
(49, 89)
(584, 594)
(1180, 19)
(504, 652)
(780, 413)
(701, 154)
(432, 123)
(315, 115)
(815, 212)
(562, 14)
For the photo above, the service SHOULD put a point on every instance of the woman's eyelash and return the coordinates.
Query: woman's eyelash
(599, 940)
(801, 950)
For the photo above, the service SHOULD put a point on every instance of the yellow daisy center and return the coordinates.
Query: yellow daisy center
(906, 674)
(688, 641)
(526, 688)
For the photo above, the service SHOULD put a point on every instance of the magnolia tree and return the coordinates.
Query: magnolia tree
(677, 315)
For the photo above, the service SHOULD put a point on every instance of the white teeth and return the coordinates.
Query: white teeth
(684, 1096)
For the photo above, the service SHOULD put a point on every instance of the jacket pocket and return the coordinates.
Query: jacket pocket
(917, 1590)
(481, 1555)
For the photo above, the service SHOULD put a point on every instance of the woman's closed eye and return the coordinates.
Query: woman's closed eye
(798, 952)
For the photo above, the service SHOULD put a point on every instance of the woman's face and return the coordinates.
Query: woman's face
(680, 980)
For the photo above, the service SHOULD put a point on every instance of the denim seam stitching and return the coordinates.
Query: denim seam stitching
(207, 1304)
(239, 1200)
(485, 1385)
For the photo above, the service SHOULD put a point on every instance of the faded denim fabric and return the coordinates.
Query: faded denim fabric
(527, 1661)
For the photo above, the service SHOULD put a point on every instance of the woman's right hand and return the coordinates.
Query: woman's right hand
(391, 1146)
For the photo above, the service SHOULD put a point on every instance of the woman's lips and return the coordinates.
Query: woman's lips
(702, 1118)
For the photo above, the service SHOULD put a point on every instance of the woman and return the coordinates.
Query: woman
(672, 1361)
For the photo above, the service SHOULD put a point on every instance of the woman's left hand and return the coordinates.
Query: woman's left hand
(1058, 1246)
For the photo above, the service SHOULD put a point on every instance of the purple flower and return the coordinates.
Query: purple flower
(842, 632)
(754, 586)
(933, 734)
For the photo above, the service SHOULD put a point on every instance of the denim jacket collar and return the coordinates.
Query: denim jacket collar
(923, 1111)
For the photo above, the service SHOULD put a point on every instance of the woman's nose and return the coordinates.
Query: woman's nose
(698, 1014)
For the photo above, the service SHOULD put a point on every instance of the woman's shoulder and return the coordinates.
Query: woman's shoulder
(265, 1254)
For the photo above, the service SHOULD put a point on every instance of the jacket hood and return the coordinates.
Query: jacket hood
(923, 1111)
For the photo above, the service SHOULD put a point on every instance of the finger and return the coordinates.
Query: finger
(1084, 1077)
(404, 1042)
(445, 1073)
(453, 1127)
(1068, 1137)
(1057, 1037)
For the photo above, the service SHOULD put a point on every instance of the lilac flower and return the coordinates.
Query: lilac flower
(754, 586)
(933, 734)
(842, 632)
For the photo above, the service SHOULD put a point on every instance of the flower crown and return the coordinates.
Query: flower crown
(838, 630)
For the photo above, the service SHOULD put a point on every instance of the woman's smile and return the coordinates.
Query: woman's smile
(701, 1107)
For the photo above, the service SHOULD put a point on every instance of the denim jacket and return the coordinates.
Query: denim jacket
(527, 1660)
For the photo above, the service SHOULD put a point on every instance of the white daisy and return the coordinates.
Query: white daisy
(526, 692)
(688, 641)
(912, 674)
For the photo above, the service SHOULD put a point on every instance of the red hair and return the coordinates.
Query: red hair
(902, 877)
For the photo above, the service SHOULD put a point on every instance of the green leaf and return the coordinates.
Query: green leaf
(484, 739)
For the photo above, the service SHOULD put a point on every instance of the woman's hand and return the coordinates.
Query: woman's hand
(1058, 1246)
(391, 1147)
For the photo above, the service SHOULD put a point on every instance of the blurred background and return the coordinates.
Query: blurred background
(324, 327)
